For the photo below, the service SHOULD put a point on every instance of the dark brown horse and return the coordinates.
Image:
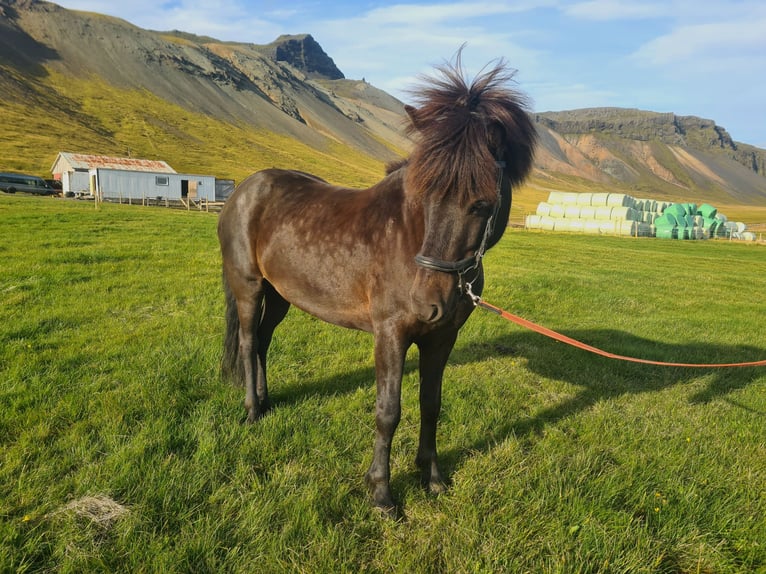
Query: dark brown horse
(399, 260)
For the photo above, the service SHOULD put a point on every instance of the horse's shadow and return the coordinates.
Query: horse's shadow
(606, 378)
(602, 379)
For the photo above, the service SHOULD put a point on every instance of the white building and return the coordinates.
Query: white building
(74, 169)
(126, 185)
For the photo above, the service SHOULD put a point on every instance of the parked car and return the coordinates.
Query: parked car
(13, 182)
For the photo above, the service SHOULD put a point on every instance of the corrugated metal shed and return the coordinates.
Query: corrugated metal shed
(72, 168)
(85, 162)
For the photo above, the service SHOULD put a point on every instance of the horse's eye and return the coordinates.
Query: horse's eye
(481, 208)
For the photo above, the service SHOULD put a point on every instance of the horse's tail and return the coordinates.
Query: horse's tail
(231, 366)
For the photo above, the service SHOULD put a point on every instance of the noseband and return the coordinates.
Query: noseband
(471, 263)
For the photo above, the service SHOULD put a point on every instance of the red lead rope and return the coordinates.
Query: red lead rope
(575, 343)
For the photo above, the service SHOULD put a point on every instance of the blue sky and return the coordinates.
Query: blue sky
(692, 57)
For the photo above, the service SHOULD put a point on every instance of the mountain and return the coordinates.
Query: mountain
(80, 81)
(650, 152)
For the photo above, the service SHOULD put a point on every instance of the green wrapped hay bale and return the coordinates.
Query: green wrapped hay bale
(707, 211)
(643, 229)
(666, 220)
(665, 232)
(677, 210)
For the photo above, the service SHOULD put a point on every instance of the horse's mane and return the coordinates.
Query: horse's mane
(455, 121)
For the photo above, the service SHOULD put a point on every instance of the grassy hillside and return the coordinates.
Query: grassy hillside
(91, 116)
(122, 450)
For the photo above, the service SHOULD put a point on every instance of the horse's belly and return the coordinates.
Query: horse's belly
(330, 305)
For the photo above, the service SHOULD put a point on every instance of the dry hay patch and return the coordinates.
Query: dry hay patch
(99, 510)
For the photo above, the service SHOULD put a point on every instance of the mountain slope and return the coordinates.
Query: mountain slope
(653, 152)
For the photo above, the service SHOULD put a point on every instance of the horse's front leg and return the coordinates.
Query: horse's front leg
(434, 353)
(390, 350)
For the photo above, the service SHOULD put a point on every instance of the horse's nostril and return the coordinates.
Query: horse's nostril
(435, 313)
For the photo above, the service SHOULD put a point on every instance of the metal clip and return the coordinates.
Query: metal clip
(474, 297)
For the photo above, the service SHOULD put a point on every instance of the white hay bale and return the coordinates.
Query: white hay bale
(741, 227)
(587, 212)
(569, 198)
(592, 226)
(561, 224)
(547, 223)
(627, 228)
(748, 236)
(603, 212)
(557, 210)
(543, 208)
(584, 199)
(623, 213)
(620, 200)
(555, 197)
(577, 225)
(608, 227)
(532, 221)
(572, 211)
(599, 199)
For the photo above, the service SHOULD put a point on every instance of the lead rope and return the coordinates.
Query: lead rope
(479, 302)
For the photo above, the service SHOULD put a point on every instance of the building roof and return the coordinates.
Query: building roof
(86, 161)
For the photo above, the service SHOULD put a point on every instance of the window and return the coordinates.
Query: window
(162, 180)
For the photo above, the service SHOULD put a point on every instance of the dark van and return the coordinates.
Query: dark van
(13, 182)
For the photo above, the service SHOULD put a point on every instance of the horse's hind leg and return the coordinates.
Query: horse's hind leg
(274, 309)
(434, 353)
(249, 299)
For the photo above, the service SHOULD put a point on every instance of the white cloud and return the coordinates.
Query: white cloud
(616, 10)
(704, 43)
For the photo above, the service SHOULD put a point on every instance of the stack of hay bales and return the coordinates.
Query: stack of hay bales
(621, 214)
(688, 221)
(596, 213)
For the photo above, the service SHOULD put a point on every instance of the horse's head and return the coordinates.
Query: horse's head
(474, 141)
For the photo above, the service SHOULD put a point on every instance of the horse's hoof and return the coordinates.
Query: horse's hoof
(437, 487)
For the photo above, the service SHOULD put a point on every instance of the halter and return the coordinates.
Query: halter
(471, 263)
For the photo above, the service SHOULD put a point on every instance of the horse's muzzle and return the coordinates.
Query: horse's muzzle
(433, 295)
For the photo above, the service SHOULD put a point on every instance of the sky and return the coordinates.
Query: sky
(703, 58)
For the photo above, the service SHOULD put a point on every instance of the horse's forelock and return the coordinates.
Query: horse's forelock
(452, 122)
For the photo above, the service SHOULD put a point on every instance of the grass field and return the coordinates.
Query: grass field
(122, 451)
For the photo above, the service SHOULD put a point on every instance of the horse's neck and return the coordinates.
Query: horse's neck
(503, 214)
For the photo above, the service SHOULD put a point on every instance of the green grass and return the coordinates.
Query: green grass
(121, 449)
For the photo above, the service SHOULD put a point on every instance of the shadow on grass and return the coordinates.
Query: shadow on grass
(598, 378)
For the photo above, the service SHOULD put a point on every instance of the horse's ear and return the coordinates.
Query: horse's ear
(496, 136)
(413, 115)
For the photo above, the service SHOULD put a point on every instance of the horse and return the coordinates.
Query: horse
(401, 260)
